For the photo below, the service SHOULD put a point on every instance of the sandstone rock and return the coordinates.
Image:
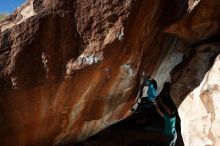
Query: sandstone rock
(201, 22)
(190, 72)
(199, 111)
(200, 28)
(68, 69)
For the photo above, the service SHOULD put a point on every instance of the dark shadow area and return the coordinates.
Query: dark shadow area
(188, 75)
(134, 131)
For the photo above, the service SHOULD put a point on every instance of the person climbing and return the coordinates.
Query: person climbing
(142, 88)
(166, 108)
(146, 99)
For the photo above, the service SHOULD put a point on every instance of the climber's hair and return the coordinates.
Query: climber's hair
(154, 83)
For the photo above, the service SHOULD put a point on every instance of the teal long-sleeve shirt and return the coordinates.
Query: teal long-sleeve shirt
(152, 92)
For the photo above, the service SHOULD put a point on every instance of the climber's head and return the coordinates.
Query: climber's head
(154, 83)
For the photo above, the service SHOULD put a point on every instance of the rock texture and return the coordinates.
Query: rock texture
(68, 68)
(190, 72)
(200, 23)
(198, 108)
(199, 111)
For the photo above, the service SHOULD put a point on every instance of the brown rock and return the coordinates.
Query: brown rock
(190, 72)
(200, 23)
(68, 69)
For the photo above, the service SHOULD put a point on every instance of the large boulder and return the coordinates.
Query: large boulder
(199, 111)
(198, 107)
(69, 68)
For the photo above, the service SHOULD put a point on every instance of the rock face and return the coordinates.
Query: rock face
(69, 68)
(200, 23)
(199, 111)
(198, 108)
(191, 71)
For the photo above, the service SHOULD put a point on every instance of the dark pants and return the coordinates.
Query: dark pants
(145, 106)
(146, 103)
(142, 105)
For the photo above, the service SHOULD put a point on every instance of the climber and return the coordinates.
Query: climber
(148, 101)
(146, 97)
(166, 108)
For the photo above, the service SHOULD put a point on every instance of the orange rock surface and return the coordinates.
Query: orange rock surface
(70, 68)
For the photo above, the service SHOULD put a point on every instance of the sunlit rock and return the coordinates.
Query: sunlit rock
(199, 111)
